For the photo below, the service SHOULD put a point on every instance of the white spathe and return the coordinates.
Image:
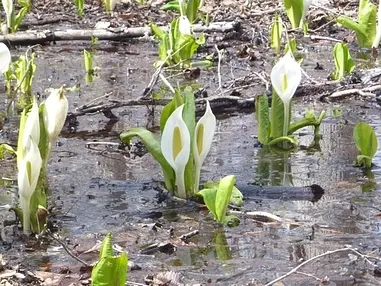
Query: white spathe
(306, 6)
(377, 38)
(8, 8)
(28, 173)
(184, 25)
(5, 57)
(175, 146)
(285, 78)
(203, 137)
(31, 127)
(55, 112)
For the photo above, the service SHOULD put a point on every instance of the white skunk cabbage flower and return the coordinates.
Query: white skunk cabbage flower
(8, 8)
(203, 137)
(306, 5)
(5, 57)
(377, 38)
(32, 127)
(28, 173)
(285, 78)
(175, 146)
(184, 25)
(55, 112)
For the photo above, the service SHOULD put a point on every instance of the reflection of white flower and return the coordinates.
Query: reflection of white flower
(28, 173)
(285, 78)
(55, 112)
(203, 137)
(5, 57)
(175, 146)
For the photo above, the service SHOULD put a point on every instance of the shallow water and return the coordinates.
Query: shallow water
(96, 190)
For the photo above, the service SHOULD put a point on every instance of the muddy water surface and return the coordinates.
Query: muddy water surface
(97, 189)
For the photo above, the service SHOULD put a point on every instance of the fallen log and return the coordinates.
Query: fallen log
(311, 193)
(117, 34)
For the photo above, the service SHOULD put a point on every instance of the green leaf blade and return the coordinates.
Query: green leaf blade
(153, 146)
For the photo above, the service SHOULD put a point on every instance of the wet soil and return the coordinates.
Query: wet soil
(99, 188)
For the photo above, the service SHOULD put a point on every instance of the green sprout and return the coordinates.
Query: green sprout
(343, 61)
(217, 199)
(366, 142)
(178, 45)
(296, 11)
(79, 4)
(110, 269)
(14, 20)
(366, 25)
(276, 33)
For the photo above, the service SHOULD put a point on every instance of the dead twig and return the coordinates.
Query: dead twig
(219, 68)
(189, 235)
(295, 269)
(366, 92)
(68, 251)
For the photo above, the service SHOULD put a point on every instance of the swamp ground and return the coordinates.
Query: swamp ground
(98, 188)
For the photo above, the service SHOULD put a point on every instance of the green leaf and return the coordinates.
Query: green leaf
(44, 141)
(308, 120)
(88, 62)
(365, 28)
(171, 6)
(277, 115)
(262, 114)
(294, 11)
(169, 108)
(189, 114)
(290, 139)
(157, 32)
(110, 271)
(236, 198)
(223, 195)
(366, 141)
(192, 8)
(343, 61)
(290, 46)
(5, 148)
(106, 247)
(18, 19)
(209, 196)
(362, 160)
(153, 146)
(276, 33)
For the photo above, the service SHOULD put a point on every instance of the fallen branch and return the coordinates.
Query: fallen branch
(220, 103)
(366, 92)
(40, 37)
(295, 270)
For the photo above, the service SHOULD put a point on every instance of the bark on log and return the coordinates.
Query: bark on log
(40, 37)
(311, 193)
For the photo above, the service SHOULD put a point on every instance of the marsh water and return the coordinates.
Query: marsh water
(98, 189)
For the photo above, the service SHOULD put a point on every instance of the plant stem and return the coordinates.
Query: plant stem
(197, 179)
(180, 183)
(26, 218)
(286, 117)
